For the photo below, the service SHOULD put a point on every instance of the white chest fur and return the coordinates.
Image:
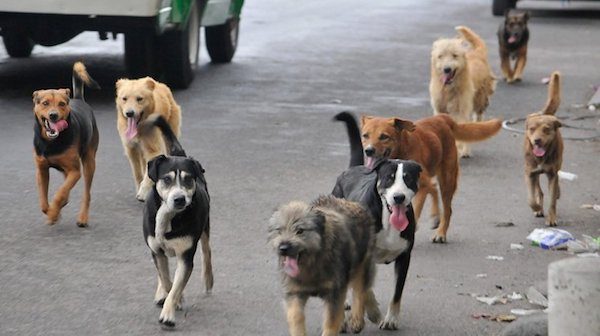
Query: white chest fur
(172, 247)
(388, 245)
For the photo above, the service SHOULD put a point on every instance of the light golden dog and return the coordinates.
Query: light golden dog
(461, 79)
(136, 100)
(543, 152)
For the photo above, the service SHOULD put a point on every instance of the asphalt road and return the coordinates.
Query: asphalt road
(261, 127)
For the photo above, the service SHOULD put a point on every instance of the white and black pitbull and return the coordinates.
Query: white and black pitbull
(386, 190)
(176, 216)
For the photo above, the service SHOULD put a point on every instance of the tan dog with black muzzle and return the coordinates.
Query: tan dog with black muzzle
(543, 152)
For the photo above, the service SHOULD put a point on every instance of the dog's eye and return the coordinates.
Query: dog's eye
(384, 137)
(124, 98)
(365, 135)
(454, 55)
(45, 103)
(188, 180)
(62, 104)
(546, 130)
(299, 231)
(139, 99)
(167, 180)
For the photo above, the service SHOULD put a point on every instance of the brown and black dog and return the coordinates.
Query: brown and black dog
(543, 152)
(513, 35)
(65, 137)
(431, 142)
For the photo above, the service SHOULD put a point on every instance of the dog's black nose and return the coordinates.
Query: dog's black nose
(537, 141)
(179, 202)
(399, 198)
(447, 70)
(284, 248)
(53, 116)
(369, 151)
(129, 114)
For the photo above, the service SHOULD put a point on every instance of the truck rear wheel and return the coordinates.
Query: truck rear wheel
(500, 6)
(17, 44)
(180, 50)
(221, 40)
(141, 54)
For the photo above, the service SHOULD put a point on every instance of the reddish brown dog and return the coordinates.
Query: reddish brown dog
(543, 152)
(431, 142)
(65, 137)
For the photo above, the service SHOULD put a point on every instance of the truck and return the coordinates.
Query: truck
(162, 37)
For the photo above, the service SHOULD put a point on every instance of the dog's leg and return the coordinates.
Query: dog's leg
(535, 196)
(151, 150)
(356, 322)
(505, 66)
(62, 194)
(135, 161)
(419, 199)
(185, 265)
(295, 315)
(447, 179)
(372, 307)
(43, 176)
(520, 64)
(463, 116)
(164, 279)
(435, 205)
(554, 192)
(89, 167)
(207, 259)
(333, 318)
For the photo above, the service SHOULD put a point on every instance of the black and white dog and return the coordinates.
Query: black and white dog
(176, 216)
(387, 191)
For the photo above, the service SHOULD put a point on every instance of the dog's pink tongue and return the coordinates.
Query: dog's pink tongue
(538, 151)
(446, 78)
(370, 162)
(131, 128)
(59, 126)
(290, 266)
(398, 218)
(512, 39)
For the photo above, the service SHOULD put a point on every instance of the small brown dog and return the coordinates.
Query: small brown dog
(324, 248)
(543, 152)
(65, 138)
(462, 80)
(136, 100)
(431, 142)
(513, 35)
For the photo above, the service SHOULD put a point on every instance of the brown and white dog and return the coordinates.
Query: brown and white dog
(543, 152)
(136, 100)
(462, 80)
(65, 138)
(513, 36)
(431, 142)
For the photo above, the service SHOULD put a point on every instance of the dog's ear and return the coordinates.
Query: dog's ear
(557, 124)
(364, 118)
(198, 169)
(401, 124)
(153, 167)
(35, 96)
(318, 218)
(119, 83)
(526, 16)
(150, 84)
(66, 92)
(507, 13)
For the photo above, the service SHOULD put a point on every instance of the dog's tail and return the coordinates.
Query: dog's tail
(474, 131)
(553, 94)
(157, 120)
(356, 148)
(81, 78)
(471, 37)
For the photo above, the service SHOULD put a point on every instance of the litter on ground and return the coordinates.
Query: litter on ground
(493, 257)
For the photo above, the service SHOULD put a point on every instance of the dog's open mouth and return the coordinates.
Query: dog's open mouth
(512, 39)
(398, 218)
(132, 129)
(448, 78)
(371, 160)
(539, 151)
(290, 265)
(53, 129)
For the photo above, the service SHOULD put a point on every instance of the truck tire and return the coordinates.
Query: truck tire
(17, 44)
(141, 54)
(221, 40)
(500, 6)
(180, 50)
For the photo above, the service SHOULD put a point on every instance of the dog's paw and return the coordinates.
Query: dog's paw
(44, 208)
(167, 318)
(160, 302)
(390, 322)
(82, 225)
(140, 196)
(551, 222)
(538, 213)
(374, 314)
(353, 325)
(53, 215)
(438, 238)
